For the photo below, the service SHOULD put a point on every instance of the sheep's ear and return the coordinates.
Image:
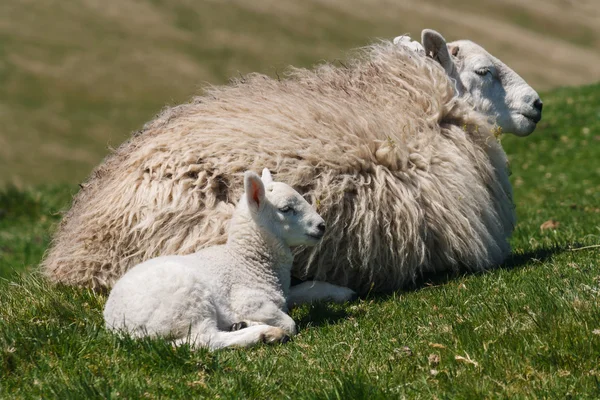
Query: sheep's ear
(435, 47)
(266, 176)
(453, 49)
(255, 191)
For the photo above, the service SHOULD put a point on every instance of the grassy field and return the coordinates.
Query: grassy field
(77, 77)
(530, 329)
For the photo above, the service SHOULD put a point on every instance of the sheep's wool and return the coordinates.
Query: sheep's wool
(409, 179)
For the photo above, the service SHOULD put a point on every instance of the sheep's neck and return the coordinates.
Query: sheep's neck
(261, 252)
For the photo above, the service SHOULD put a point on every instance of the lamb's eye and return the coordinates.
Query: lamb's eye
(286, 209)
(483, 71)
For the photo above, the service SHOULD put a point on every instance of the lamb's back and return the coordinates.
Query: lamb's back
(165, 295)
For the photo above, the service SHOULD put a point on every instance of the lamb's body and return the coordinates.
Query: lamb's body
(408, 177)
(199, 297)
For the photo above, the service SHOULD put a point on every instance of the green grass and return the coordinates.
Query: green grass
(530, 329)
(26, 219)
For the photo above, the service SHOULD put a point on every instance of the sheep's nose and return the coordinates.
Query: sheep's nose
(321, 227)
(538, 104)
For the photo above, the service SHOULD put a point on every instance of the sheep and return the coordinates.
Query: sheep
(244, 283)
(398, 152)
(484, 81)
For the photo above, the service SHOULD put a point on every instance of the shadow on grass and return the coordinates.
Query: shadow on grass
(518, 260)
(514, 261)
(322, 313)
(319, 313)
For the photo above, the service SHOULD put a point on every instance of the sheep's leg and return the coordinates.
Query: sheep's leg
(238, 325)
(287, 326)
(310, 291)
(268, 314)
(213, 339)
(244, 324)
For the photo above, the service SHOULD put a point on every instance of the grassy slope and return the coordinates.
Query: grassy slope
(78, 76)
(530, 329)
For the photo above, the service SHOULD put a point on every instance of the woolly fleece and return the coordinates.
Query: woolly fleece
(409, 179)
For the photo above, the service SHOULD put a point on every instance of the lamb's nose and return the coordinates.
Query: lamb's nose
(538, 104)
(321, 227)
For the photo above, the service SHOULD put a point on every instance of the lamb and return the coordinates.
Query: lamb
(398, 151)
(242, 284)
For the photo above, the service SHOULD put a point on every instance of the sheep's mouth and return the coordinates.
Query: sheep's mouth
(317, 236)
(535, 118)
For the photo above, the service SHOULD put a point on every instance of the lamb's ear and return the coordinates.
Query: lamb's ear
(255, 191)
(435, 47)
(266, 176)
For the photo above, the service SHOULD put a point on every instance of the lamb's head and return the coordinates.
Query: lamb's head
(487, 83)
(281, 210)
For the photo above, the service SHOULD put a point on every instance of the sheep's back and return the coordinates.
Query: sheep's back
(408, 179)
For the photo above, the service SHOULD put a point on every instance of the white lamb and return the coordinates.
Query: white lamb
(244, 283)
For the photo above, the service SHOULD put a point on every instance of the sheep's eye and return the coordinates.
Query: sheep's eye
(286, 209)
(482, 71)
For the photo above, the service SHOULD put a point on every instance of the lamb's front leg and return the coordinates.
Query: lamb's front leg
(265, 313)
(310, 291)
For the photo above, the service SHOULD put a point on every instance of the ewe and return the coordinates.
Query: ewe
(396, 150)
(489, 85)
(243, 283)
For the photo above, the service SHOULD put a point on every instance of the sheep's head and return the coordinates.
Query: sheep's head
(487, 83)
(281, 210)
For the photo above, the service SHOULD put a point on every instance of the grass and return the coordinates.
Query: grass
(530, 329)
(26, 219)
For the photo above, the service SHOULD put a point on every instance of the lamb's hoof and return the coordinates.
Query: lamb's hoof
(274, 335)
(238, 325)
(285, 339)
